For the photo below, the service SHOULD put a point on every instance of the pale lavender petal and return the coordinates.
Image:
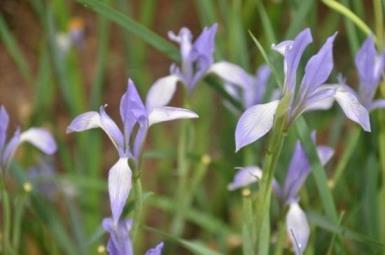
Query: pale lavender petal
(321, 98)
(352, 107)
(292, 55)
(120, 241)
(297, 228)
(376, 104)
(232, 73)
(161, 92)
(40, 138)
(142, 125)
(184, 39)
(4, 121)
(282, 47)
(244, 177)
(254, 123)
(109, 126)
(119, 186)
(318, 68)
(205, 43)
(10, 149)
(84, 121)
(156, 250)
(262, 77)
(167, 113)
(325, 153)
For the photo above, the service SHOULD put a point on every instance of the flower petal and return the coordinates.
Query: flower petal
(297, 228)
(161, 92)
(120, 241)
(352, 107)
(84, 121)
(166, 113)
(119, 186)
(321, 99)
(254, 123)
(156, 250)
(40, 138)
(319, 67)
(377, 104)
(10, 148)
(232, 73)
(244, 177)
(4, 121)
(205, 43)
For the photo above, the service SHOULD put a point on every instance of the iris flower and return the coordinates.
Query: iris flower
(248, 89)
(299, 168)
(196, 57)
(312, 94)
(370, 68)
(120, 241)
(38, 137)
(136, 117)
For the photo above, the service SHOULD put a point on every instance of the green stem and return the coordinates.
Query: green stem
(248, 228)
(6, 226)
(281, 237)
(379, 22)
(138, 204)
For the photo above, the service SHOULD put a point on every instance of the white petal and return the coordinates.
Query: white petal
(85, 121)
(161, 92)
(297, 228)
(254, 123)
(119, 186)
(282, 47)
(244, 177)
(232, 73)
(166, 113)
(40, 138)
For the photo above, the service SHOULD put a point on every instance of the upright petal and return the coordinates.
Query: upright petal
(297, 228)
(161, 92)
(318, 68)
(167, 113)
(262, 77)
(254, 123)
(293, 51)
(4, 121)
(205, 43)
(156, 250)
(119, 186)
(120, 241)
(244, 177)
(10, 149)
(232, 73)
(352, 107)
(40, 138)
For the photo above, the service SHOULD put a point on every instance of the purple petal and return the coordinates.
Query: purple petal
(167, 113)
(321, 99)
(352, 107)
(120, 241)
(262, 77)
(161, 92)
(254, 123)
(376, 104)
(233, 74)
(4, 121)
(109, 126)
(184, 39)
(155, 251)
(84, 121)
(205, 43)
(325, 153)
(244, 177)
(40, 138)
(119, 186)
(318, 68)
(297, 228)
(293, 51)
(10, 149)
(141, 134)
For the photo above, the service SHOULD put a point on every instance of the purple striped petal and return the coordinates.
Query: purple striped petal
(233, 74)
(119, 186)
(156, 250)
(119, 242)
(322, 98)
(4, 122)
(297, 228)
(167, 113)
(40, 138)
(161, 92)
(254, 123)
(352, 107)
(244, 177)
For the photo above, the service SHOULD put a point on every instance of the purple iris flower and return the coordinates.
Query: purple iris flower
(38, 137)
(196, 57)
(313, 93)
(248, 89)
(136, 117)
(299, 168)
(370, 68)
(120, 241)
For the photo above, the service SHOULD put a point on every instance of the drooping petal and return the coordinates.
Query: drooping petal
(10, 149)
(318, 68)
(352, 107)
(321, 98)
(293, 51)
(161, 92)
(120, 241)
(119, 186)
(232, 73)
(4, 121)
(40, 138)
(157, 250)
(297, 228)
(377, 104)
(167, 113)
(244, 177)
(254, 123)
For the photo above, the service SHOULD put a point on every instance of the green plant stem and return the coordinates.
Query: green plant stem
(20, 206)
(281, 237)
(263, 200)
(6, 226)
(138, 204)
(379, 22)
(248, 228)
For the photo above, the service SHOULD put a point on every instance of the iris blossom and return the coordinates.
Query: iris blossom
(248, 89)
(370, 68)
(312, 94)
(38, 137)
(136, 117)
(196, 57)
(120, 241)
(299, 168)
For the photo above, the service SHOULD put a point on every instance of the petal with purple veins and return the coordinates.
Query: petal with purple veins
(167, 113)
(298, 228)
(161, 92)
